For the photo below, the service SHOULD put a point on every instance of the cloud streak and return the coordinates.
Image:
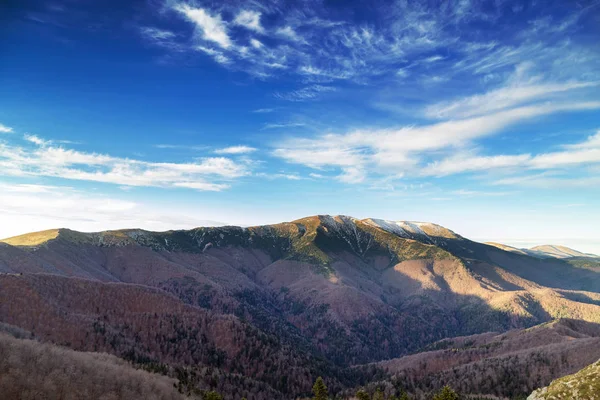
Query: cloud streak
(46, 160)
(236, 150)
(403, 150)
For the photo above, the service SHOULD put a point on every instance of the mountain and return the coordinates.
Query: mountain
(545, 251)
(275, 306)
(560, 251)
(583, 385)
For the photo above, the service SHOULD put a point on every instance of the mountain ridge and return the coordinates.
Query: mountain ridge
(346, 291)
(426, 232)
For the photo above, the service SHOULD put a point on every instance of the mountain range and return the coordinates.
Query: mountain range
(261, 312)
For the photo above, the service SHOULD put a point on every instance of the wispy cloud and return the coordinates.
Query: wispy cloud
(263, 110)
(283, 125)
(166, 146)
(249, 19)
(5, 129)
(403, 150)
(157, 34)
(36, 140)
(280, 175)
(45, 160)
(306, 93)
(210, 27)
(236, 150)
(433, 45)
(583, 153)
(289, 33)
(509, 96)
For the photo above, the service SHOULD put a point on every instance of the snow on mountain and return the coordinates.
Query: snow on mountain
(413, 229)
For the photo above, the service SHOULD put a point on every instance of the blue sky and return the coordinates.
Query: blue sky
(483, 116)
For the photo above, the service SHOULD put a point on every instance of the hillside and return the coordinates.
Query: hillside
(297, 300)
(583, 385)
(30, 370)
(508, 364)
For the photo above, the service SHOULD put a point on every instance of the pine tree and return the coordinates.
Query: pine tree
(446, 393)
(320, 390)
(362, 395)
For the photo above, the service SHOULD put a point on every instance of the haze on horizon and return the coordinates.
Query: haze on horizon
(483, 117)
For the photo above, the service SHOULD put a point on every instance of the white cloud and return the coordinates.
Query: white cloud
(236, 150)
(264, 110)
(206, 186)
(501, 99)
(581, 153)
(211, 173)
(586, 152)
(250, 20)
(394, 151)
(401, 36)
(283, 125)
(465, 163)
(281, 175)
(543, 181)
(305, 93)
(289, 33)
(5, 129)
(257, 44)
(212, 28)
(352, 175)
(157, 34)
(36, 140)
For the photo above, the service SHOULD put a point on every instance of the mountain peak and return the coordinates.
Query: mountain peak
(413, 229)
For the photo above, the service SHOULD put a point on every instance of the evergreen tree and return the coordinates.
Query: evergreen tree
(212, 395)
(362, 395)
(446, 393)
(320, 390)
(378, 395)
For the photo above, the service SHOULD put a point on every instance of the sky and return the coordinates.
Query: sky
(481, 116)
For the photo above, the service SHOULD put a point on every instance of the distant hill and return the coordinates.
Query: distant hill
(583, 385)
(560, 251)
(273, 307)
(545, 251)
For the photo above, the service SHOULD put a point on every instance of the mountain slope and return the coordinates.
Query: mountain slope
(59, 373)
(148, 326)
(583, 385)
(509, 364)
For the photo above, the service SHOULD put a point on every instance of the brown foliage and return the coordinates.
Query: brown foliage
(30, 370)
